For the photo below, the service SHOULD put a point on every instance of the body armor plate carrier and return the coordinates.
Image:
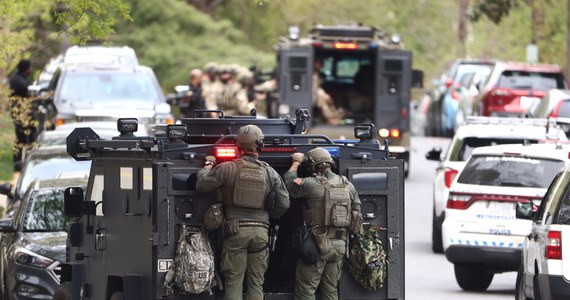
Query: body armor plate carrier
(251, 186)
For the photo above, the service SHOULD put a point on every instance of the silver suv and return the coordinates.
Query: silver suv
(108, 92)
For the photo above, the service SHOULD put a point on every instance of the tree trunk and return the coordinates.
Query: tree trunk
(462, 28)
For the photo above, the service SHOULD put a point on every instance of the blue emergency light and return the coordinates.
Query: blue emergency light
(333, 151)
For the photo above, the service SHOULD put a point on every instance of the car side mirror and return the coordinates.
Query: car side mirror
(6, 189)
(525, 211)
(7, 225)
(73, 202)
(434, 154)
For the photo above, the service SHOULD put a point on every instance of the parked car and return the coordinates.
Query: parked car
(544, 272)
(481, 234)
(43, 163)
(443, 108)
(513, 87)
(107, 92)
(478, 132)
(33, 241)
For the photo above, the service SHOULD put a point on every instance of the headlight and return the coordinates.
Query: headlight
(384, 133)
(24, 256)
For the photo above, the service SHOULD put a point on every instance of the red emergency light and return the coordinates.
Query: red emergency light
(345, 45)
(224, 153)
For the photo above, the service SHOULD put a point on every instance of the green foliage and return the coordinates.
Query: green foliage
(172, 37)
(494, 10)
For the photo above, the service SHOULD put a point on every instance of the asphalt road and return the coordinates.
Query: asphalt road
(430, 275)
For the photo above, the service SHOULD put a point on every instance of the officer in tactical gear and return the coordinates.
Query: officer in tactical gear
(331, 209)
(251, 193)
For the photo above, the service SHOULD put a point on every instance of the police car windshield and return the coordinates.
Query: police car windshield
(45, 212)
(511, 171)
(79, 90)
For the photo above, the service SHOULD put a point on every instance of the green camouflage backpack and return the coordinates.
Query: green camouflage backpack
(367, 263)
(192, 270)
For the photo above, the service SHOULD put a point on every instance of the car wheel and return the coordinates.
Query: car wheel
(117, 296)
(520, 286)
(472, 277)
(63, 291)
(436, 239)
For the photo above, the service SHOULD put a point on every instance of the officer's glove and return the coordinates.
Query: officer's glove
(210, 160)
(298, 157)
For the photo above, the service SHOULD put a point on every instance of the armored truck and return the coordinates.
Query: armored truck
(366, 73)
(141, 193)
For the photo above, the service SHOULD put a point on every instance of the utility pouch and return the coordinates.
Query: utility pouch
(356, 220)
(230, 227)
(269, 201)
(340, 214)
(321, 237)
(214, 217)
(303, 242)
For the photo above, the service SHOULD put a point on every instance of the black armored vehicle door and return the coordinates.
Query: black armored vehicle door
(380, 185)
(295, 79)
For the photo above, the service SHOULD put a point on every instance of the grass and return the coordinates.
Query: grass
(6, 141)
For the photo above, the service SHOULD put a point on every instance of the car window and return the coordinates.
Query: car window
(49, 168)
(552, 194)
(461, 150)
(83, 90)
(45, 212)
(564, 110)
(524, 80)
(510, 171)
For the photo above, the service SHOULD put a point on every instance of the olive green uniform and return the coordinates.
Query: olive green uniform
(245, 253)
(327, 270)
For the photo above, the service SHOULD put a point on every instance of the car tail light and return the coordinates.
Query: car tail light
(449, 176)
(459, 201)
(224, 153)
(553, 245)
(395, 133)
(448, 83)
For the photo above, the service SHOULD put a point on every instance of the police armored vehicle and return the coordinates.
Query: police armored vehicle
(141, 196)
(347, 74)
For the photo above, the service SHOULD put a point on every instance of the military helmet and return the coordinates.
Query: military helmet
(250, 138)
(211, 67)
(319, 155)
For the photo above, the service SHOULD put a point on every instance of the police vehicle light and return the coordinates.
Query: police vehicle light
(293, 32)
(228, 152)
(395, 133)
(280, 149)
(332, 151)
(177, 131)
(345, 45)
(384, 133)
(396, 38)
(317, 44)
(127, 126)
(553, 246)
(363, 132)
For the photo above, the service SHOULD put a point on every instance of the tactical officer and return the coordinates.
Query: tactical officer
(331, 209)
(246, 185)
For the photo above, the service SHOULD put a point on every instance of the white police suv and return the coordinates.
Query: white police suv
(477, 132)
(481, 232)
(545, 269)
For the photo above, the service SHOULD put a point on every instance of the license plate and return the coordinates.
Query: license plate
(502, 209)
(526, 102)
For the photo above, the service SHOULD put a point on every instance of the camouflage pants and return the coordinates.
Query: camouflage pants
(326, 272)
(241, 257)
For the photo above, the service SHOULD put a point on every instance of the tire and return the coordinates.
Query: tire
(436, 239)
(63, 292)
(473, 277)
(520, 286)
(117, 296)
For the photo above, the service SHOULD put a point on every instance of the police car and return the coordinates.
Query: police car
(477, 132)
(481, 233)
(545, 269)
